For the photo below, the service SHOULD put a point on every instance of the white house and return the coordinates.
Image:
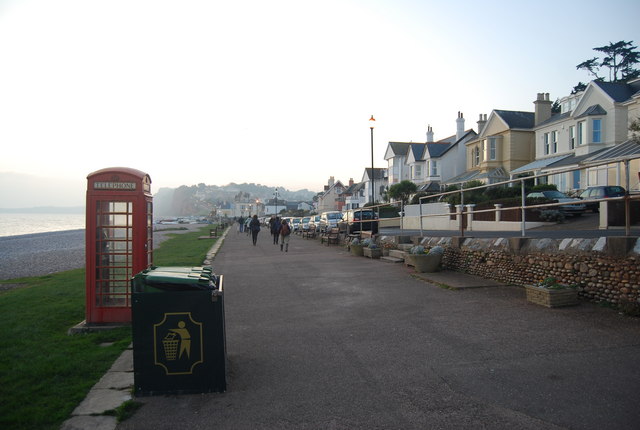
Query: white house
(588, 125)
(429, 164)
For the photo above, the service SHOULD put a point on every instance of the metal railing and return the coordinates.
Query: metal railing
(627, 198)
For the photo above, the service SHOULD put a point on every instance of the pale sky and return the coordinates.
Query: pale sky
(272, 92)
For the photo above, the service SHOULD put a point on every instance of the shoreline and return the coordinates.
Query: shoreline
(39, 254)
(29, 235)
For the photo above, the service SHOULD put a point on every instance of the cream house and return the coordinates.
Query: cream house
(505, 143)
(331, 199)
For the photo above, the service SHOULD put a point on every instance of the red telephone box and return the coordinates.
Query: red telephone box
(119, 240)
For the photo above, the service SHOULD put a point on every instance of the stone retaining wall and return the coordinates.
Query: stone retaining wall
(605, 269)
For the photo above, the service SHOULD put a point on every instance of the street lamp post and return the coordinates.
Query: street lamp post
(372, 122)
(276, 195)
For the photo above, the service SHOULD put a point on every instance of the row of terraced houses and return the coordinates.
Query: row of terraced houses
(592, 126)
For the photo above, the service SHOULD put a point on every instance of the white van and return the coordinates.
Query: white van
(329, 220)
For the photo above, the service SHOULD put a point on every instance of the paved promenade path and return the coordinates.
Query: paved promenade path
(320, 339)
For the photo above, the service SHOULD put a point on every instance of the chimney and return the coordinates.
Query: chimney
(543, 108)
(331, 181)
(482, 121)
(429, 134)
(459, 126)
(350, 182)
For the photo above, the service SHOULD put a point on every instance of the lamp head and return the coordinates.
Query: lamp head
(372, 122)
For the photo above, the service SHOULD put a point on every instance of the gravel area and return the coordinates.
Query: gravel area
(44, 253)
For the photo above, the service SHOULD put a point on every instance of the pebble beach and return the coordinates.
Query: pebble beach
(44, 253)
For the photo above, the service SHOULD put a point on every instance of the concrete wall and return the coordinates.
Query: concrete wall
(440, 220)
(605, 269)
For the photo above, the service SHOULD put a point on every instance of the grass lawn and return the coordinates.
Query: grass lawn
(44, 373)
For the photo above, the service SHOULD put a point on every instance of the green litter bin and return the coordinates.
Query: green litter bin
(179, 343)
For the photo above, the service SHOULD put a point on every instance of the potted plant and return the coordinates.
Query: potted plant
(424, 260)
(356, 247)
(372, 251)
(387, 245)
(552, 294)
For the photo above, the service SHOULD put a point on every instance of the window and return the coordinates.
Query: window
(418, 171)
(572, 137)
(545, 139)
(434, 168)
(493, 148)
(554, 141)
(476, 156)
(597, 131)
(580, 133)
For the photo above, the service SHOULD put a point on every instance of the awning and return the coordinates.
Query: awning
(627, 149)
(493, 175)
(538, 164)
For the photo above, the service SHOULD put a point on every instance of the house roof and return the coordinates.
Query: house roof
(555, 118)
(593, 110)
(399, 148)
(418, 150)
(436, 149)
(378, 171)
(517, 119)
(354, 188)
(618, 91)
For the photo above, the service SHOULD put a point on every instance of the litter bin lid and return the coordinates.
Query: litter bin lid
(175, 279)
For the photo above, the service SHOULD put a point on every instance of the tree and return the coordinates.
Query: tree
(402, 191)
(555, 107)
(634, 127)
(619, 58)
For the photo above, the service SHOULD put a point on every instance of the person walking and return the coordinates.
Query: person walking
(285, 233)
(275, 229)
(254, 226)
(240, 224)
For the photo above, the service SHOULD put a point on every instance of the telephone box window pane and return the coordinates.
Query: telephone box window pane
(120, 233)
(120, 207)
(121, 220)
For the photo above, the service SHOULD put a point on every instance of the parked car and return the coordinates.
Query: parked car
(361, 220)
(577, 207)
(295, 224)
(304, 223)
(600, 192)
(329, 220)
(314, 222)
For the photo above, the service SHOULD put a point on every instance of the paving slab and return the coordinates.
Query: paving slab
(98, 401)
(84, 422)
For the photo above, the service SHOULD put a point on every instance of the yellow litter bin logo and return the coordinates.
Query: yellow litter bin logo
(177, 341)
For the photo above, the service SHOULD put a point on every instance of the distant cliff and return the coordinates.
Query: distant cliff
(201, 199)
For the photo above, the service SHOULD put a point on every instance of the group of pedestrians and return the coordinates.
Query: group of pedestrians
(279, 228)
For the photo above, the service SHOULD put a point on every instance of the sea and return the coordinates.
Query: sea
(15, 224)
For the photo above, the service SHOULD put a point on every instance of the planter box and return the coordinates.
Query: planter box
(552, 298)
(372, 252)
(423, 262)
(357, 250)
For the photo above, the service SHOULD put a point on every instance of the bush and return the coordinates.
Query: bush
(544, 187)
(552, 215)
